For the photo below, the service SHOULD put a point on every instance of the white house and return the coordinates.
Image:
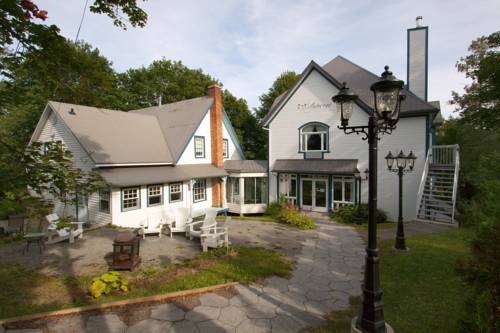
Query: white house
(164, 156)
(320, 168)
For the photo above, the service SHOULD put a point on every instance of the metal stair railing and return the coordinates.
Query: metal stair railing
(423, 180)
(455, 181)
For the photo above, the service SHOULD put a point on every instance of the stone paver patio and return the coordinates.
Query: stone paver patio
(328, 271)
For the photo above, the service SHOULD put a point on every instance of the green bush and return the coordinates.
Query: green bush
(293, 217)
(482, 272)
(349, 214)
(106, 283)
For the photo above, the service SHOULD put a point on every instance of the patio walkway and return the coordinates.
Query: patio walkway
(328, 272)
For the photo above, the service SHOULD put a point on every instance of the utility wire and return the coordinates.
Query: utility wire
(81, 21)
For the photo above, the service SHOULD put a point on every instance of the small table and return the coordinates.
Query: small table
(35, 237)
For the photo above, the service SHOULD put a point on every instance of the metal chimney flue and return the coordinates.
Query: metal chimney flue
(419, 21)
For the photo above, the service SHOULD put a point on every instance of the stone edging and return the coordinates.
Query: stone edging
(101, 308)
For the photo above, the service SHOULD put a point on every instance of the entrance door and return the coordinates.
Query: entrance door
(314, 194)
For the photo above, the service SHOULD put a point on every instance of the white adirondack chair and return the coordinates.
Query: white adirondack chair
(55, 236)
(181, 221)
(195, 229)
(214, 237)
(153, 224)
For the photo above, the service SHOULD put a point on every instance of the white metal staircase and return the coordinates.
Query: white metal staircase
(437, 193)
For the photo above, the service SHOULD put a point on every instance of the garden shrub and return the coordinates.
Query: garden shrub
(287, 213)
(293, 217)
(349, 214)
(482, 272)
(107, 283)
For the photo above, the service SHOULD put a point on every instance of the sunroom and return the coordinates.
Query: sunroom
(246, 186)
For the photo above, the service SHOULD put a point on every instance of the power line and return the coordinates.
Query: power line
(81, 21)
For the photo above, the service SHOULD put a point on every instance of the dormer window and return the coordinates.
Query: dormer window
(314, 137)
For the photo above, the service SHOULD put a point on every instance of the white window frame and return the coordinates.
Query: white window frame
(263, 198)
(305, 135)
(231, 184)
(155, 194)
(137, 197)
(285, 186)
(199, 190)
(340, 203)
(175, 188)
(225, 148)
(199, 147)
(103, 197)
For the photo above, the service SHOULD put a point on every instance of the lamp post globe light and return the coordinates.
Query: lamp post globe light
(404, 164)
(381, 120)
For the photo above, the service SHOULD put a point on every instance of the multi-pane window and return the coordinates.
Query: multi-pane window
(199, 146)
(199, 190)
(314, 137)
(155, 193)
(175, 192)
(255, 190)
(130, 198)
(343, 191)
(233, 190)
(225, 148)
(104, 200)
(288, 185)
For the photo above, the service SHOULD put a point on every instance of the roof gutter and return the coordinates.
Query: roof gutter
(107, 165)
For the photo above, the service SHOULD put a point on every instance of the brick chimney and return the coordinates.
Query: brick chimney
(215, 92)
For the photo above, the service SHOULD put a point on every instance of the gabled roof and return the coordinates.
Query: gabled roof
(115, 137)
(151, 136)
(358, 80)
(178, 121)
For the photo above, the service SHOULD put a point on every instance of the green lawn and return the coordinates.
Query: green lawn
(422, 291)
(24, 292)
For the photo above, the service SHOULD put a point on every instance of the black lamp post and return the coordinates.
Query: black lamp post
(381, 120)
(404, 164)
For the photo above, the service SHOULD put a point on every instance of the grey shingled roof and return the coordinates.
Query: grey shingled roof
(115, 137)
(359, 81)
(153, 135)
(130, 176)
(179, 120)
(338, 166)
(246, 165)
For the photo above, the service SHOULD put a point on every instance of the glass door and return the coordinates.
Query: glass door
(307, 193)
(320, 194)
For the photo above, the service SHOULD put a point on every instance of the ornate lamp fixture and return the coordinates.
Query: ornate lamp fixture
(381, 120)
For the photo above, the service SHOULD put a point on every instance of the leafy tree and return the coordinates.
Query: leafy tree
(46, 170)
(251, 135)
(170, 80)
(477, 132)
(282, 83)
(20, 20)
(480, 104)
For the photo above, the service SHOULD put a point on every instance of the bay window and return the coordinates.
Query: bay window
(233, 190)
(255, 190)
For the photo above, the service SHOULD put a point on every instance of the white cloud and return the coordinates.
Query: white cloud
(246, 44)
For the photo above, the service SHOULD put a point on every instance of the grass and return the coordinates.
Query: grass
(364, 227)
(25, 292)
(422, 291)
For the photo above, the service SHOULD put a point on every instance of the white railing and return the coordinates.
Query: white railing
(424, 177)
(455, 181)
(443, 155)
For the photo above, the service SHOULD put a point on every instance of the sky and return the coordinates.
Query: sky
(247, 44)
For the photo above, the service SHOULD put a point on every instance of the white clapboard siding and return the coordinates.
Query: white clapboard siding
(409, 135)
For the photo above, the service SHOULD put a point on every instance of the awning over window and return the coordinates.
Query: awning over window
(250, 166)
(338, 167)
(129, 176)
